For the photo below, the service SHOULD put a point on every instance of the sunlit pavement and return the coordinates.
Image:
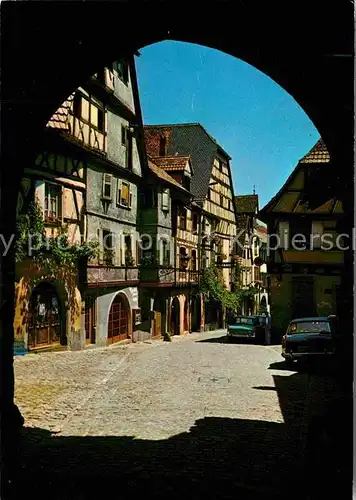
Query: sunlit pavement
(195, 417)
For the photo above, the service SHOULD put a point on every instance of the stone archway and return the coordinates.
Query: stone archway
(325, 47)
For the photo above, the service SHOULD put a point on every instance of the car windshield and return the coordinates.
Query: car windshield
(309, 327)
(246, 321)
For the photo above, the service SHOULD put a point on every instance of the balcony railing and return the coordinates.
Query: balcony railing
(104, 274)
(168, 275)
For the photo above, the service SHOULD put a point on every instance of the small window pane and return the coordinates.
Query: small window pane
(93, 115)
(85, 109)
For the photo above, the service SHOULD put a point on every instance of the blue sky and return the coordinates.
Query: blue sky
(258, 123)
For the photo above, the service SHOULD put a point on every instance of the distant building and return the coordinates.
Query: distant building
(304, 271)
(210, 183)
(169, 296)
(252, 236)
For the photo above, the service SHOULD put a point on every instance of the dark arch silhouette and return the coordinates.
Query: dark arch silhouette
(308, 50)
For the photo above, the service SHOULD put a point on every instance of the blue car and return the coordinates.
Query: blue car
(308, 338)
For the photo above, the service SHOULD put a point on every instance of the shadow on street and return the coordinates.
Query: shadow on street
(224, 340)
(309, 456)
(218, 458)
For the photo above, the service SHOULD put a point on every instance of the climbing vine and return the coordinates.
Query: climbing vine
(52, 254)
(211, 286)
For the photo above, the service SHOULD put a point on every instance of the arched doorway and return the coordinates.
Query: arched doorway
(196, 313)
(44, 322)
(118, 323)
(175, 317)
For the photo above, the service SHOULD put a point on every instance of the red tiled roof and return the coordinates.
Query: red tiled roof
(317, 154)
(171, 162)
(161, 174)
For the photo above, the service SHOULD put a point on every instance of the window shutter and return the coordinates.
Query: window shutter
(118, 192)
(165, 199)
(130, 197)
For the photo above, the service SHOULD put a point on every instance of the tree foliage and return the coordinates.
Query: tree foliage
(211, 286)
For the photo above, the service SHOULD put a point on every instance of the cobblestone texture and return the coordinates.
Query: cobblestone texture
(194, 417)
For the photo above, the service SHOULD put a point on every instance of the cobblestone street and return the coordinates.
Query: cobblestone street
(196, 417)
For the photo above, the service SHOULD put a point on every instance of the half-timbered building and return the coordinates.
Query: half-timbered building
(88, 179)
(169, 272)
(210, 183)
(306, 245)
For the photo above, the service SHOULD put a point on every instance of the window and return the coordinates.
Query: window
(123, 194)
(126, 141)
(165, 199)
(195, 223)
(257, 273)
(183, 258)
(165, 252)
(107, 186)
(309, 327)
(108, 249)
(53, 202)
(89, 111)
(300, 230)
(221, 200)
(255, 246)
(194, 260)
(148, 198)
(183, 220)
(77, 105)
(122, 69)
(129, 260)
(101, 120)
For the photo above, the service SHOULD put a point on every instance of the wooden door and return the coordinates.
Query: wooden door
(118, 325)
(44, 325)
(90, 320)
(157, 324)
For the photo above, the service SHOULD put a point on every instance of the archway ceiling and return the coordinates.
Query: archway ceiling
(307, 50)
